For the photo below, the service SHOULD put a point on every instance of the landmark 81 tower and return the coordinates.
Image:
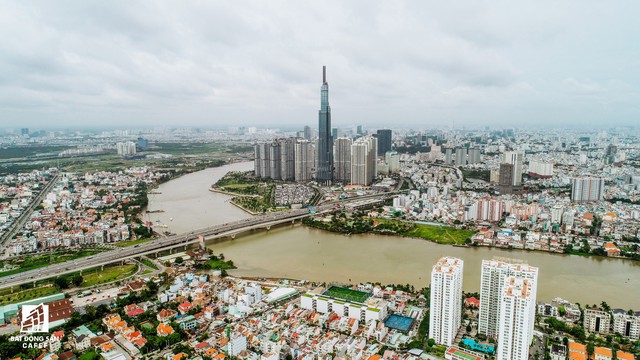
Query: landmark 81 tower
(324, 174)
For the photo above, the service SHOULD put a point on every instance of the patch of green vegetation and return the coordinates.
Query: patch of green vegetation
(187, 148)
(346, 294)
(476, 174)
(361, 224)
(440, 234)
(111, 273)
(219, 264)
(147, 271)
(38, 261)
(28, 294)
(132, 242)
(30, 151)
(149, 264)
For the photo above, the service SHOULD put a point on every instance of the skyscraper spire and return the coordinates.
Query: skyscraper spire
(324, 74)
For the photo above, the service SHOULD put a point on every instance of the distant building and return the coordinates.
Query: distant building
(384, 141)
(446, 300)
(461, 156)
(597, 322)
(392, 159)
(587, 189)
(515, 158)
(142, 144)
(363, 160)
(305, 160)
(308, 133)
(540, 169)
(505, 179)
(237, 344)
(473, 156)
(342, 160)
(448, 156)
(126, 148)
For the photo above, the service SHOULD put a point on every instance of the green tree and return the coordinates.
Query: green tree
(179, 260)
(61, 282)
(77, 280)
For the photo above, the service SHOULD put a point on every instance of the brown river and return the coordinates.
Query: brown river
(302, 253)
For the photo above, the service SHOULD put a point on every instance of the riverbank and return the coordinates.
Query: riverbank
(340, 223)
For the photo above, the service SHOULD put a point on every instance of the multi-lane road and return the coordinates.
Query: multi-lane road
(171, 242)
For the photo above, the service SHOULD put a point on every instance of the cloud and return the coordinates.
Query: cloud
(259, 63)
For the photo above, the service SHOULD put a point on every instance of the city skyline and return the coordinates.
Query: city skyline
(508, 65)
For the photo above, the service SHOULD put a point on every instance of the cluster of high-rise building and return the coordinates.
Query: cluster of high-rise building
(507, 304)
(461, 156)
(587, 189)
(328, 159)
(127, 148)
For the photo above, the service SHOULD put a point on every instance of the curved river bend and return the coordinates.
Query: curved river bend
(304, 253)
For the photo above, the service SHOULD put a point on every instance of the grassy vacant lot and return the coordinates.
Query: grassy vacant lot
(440, 234)
(132, 242)
(29, 151)
(149, 264)
(219, 265)
(23, 295)
(346, 294)
(38, 261)
(112, 273)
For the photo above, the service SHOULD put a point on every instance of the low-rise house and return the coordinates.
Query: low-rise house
(165, 315)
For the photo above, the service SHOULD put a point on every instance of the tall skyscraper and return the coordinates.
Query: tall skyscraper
(448, 156)
(461, 156)
(308, 132)
(446, 300)
(342, 160)
(304, 160)
(516, 318)
(363, 160)
(587, 189)
(287, 158)
(325, 140)
(473, 156)
(505, 179)
(492, 280)
(359, 130)
(261, 162)
(515, 158)
(384, 141)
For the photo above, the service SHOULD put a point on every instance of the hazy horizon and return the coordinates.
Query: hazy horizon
(74, 64)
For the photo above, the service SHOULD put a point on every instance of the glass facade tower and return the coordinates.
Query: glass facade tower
(325, 139)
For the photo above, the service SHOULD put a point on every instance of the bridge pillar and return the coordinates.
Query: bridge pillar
(171, 251)
(185, 248)
(122, 263)
(34, 283)
(102, 267)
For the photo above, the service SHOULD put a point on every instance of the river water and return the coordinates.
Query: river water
(303, 253)
(188, 204)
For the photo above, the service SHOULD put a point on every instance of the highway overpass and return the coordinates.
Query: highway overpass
(172, 242)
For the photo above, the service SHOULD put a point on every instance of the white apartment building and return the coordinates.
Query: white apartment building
(516, 319)
(597, 322)
(364, 152)
(126, 148)
(627, 325)
(492, 279)
(371, 309)
(446, 300)
(587, 189)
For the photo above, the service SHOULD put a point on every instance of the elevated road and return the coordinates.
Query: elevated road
(173, 242)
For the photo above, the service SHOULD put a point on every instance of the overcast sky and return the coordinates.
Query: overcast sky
(259, 63)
